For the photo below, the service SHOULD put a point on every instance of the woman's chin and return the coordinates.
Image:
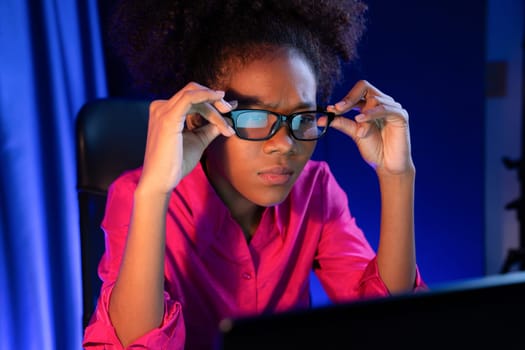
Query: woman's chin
(271, 198)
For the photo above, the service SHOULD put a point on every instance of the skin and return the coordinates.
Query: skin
(250, 175)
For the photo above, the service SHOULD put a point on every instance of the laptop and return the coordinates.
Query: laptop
(487, 312)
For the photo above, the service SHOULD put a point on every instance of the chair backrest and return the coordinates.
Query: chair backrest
(110, 138)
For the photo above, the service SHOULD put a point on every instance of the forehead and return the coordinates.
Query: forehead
(279, 79)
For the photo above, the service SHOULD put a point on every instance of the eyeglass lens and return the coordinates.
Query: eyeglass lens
(259, 124)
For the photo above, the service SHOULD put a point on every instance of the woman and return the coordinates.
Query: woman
(228, 214)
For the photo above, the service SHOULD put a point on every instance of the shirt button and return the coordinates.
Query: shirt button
(246, 275)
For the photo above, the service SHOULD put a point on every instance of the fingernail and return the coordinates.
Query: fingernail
(226, 104)
(220, 93)
(340, 104)
(359, 117)
(233, 104)
(333, 109)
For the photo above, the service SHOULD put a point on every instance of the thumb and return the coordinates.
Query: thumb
(207, 133)
(194, 144)
(346, 126)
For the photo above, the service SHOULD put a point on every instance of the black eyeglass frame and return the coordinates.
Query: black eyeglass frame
(280, 119)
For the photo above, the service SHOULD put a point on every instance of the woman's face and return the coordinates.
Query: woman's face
(263, 172)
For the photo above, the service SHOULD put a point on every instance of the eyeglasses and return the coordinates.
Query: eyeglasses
(259, 124)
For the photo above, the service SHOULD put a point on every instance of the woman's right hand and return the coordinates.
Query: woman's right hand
(172, 150)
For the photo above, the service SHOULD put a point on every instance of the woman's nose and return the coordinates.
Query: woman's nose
(282, 141)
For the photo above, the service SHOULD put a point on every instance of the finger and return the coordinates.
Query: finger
(351, 128)
(363, 129)
(195, 93)
(213, 116)
(362, 95)
(207, 133)
(222, 106)
(191, 86)
(373, 101)
(382, 112)
(370, 103)
(366, 104)
(190, 95)
(234, 104)
(343, 124)
(195, 121)
(200, 101)
(357, 94)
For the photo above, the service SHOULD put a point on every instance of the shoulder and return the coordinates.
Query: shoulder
(119, 202)
(121, 190)
(127, 181)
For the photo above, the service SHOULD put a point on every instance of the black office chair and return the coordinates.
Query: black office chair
(110, 138)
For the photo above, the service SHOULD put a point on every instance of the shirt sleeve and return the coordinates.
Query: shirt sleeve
(344, 253)
(100, 333)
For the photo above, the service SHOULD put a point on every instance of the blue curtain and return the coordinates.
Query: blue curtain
(51, 63)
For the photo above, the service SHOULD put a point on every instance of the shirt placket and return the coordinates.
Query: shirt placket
(248, 290)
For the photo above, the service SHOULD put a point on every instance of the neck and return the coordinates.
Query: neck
(246, 213)
(248, 220)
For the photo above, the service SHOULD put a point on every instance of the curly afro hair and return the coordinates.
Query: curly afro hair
(165, 43)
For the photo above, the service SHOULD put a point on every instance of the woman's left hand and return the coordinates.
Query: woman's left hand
(380, 130)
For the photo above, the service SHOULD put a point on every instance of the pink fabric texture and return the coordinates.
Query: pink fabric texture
(212, 272)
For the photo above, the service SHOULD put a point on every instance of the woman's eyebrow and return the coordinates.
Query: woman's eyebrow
(243, 100)
(253, 102)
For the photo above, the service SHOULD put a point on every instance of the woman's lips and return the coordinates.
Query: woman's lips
(276, 175)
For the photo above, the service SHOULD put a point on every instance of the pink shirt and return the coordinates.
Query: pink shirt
(211, 272)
